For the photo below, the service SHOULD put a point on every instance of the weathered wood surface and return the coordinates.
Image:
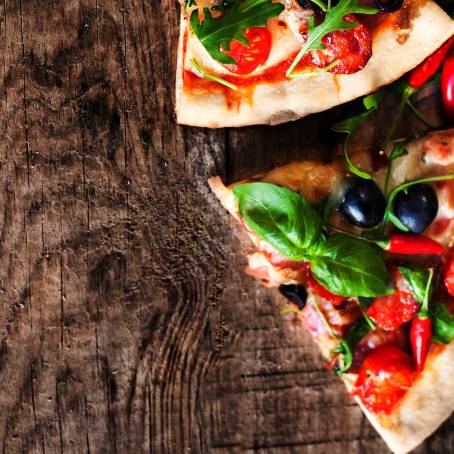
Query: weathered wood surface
(126, 324)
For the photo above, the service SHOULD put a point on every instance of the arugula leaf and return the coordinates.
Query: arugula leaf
(347, 344)
(442, 324)
(417, 279)
(349, 125)
(279, 216)
(389, 216)
(350, 267)
(334, 20)
(195, 64)
(239, 15)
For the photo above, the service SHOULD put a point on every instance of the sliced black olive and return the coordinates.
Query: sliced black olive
(417, 207)
(297, 294)
(363, 204)
(388, 6)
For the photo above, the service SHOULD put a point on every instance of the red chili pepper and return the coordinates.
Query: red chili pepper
(425, 70)
(420, 337)
(410, 244)
(447, 86)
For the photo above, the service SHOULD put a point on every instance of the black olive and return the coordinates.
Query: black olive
(297, 294)
(363, 204)
(388, 6)
(417, 207)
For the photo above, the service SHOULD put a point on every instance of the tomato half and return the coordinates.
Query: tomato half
(391, 311)
(250, 57)
(384, 377)
(352, 47)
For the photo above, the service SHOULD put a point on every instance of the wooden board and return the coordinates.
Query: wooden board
(126, 323)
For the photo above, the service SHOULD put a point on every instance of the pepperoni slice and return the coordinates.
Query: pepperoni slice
(352, 47)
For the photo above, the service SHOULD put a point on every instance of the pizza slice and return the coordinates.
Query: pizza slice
(370, 276)
(244, 62)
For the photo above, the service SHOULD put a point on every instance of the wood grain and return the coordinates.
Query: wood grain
(126, 323)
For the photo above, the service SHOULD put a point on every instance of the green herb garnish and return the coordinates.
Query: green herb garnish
(345, 265)
(216, 34)
(334, 20)
(195, 64)
(347, 344)
(442, 324)
(349, 125)
(417, 279)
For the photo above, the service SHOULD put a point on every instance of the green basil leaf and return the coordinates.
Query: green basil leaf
(442, 324)
(239, 15)
(417, 280)
(279, 216)
(350, 267)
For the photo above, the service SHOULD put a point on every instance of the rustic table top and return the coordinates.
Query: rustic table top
(126, 322)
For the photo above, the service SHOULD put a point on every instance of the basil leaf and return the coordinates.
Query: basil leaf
(417, 280)
(442, 324)
(350, 267)
(279, 216)
(216, 34)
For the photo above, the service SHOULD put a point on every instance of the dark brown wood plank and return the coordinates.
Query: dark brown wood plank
(126, 323)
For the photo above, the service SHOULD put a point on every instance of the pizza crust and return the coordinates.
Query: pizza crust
(289, 100)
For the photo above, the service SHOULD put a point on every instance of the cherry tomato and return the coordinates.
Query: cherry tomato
(391, 311)
(385, 375)
(352, 47)
(250, 57)
(449, 276)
